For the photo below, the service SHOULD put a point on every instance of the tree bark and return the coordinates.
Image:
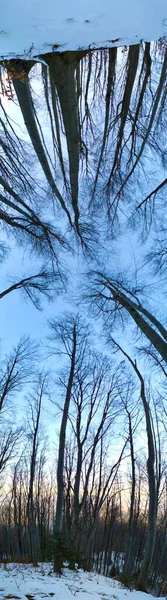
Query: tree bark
(60, 467)
(134, 310)
(23, 93)
(152, 511)
(128, 559)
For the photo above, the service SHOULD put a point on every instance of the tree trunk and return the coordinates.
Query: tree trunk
(151, 121)
(128, 559)
(63, 74)
(60, 467)
(150, 543)
(152, 511)
(134, 310)
(23, 93)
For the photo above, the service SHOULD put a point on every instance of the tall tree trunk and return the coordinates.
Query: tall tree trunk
(133, 59)
(151, 121)
(63, 76)
(61, 452)
(152, 511)
(108, 100)
(128, 559)
(23, 93)
(150, 543)
(134, 310)
(30, 500)
(76, 492)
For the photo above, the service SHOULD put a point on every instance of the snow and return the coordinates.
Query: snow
(27, 28)
(37, 583)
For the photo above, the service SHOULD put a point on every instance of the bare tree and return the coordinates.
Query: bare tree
(23, 91)
(62, 71)
(9, 441)
(132, 412)
(111, 295)
(35, 405)
(14, 373)
(46, 283)
(71, 333)
(158, 97)
(152, 511)
(95, 398)
(15, 370)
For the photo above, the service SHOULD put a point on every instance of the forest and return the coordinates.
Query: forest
(83, 414)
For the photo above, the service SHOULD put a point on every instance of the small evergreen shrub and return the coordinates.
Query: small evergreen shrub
(126, 579)
(114, 572)
(61, 549)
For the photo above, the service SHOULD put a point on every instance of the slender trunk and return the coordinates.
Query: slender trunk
(76, 492)
(151, 121)
(54, 120)
(133, 59)
(61, 452)
(150, 541)
(129, 555)
(109, 95)
(153, 193)
(23, 93)
(30, 500)
(141, 309)
(146, 66)
(134, 310)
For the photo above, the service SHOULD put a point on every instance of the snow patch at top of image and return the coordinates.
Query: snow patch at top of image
(27, 29)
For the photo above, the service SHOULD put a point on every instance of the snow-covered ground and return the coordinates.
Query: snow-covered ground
(37, 583)
(36, 25)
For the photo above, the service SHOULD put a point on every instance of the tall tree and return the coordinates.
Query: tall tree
(110, 295)
(71, 333)
(95, 397)
(63, 83)
(35, 406)
(19, 75)
(152, 511)
(15, 369)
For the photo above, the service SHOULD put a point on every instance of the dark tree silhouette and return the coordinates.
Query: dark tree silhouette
(106, 291)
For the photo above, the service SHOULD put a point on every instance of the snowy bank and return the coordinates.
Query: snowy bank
(28, 28)
(36, 583)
